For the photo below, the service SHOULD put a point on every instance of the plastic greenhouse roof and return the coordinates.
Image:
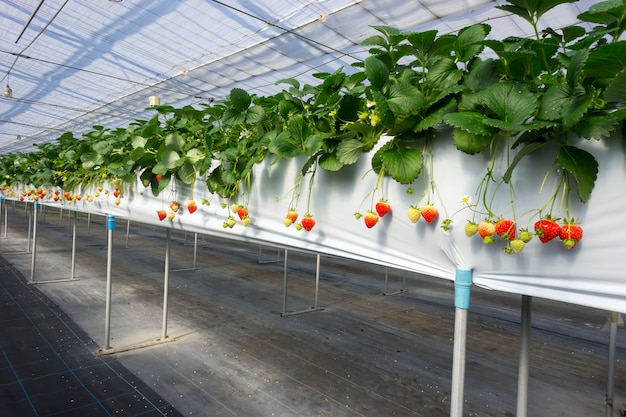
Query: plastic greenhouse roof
(75, 64)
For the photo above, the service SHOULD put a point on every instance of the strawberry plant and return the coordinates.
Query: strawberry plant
(530, 97)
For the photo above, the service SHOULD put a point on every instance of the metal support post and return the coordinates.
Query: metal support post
(613, 321)
(316, 306)
(462, 292)
(34, 247)
(73, 268)
(195, 255)
(107, 317)
(166, 283)
(524, 357)
(265, 261)
(6, 220)
(30, 230)
(401, 290)
(127, 232)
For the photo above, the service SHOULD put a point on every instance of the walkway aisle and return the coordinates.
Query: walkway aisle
(232, 354)
(48, 366)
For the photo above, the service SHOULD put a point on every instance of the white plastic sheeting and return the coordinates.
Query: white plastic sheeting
(592, 274)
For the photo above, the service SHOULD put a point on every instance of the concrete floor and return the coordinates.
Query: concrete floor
(230, 351)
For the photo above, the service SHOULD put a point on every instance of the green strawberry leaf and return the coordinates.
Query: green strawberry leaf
(596, 127)
(377, 72)
(531, 10)
(444, 74)
(349, 151)
(583, 167)
(472, 122)
(186, 173)
(404, 165)
(606, 60)
(403, 98)
(616, 90)
(174, 142)
(564, 102)
(469, 41)
(470, 143)
(255, 114)
(240, 99)
(284, 146)
(169, 159)
(510, 102)
(330, 162)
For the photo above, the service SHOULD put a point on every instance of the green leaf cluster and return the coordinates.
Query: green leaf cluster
(527, 93)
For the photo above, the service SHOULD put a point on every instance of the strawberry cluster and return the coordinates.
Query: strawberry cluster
(546, 229)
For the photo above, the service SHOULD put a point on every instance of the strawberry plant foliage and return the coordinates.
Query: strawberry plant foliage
(526, 96)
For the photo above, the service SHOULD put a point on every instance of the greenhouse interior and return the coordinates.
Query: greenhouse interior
(312, 208)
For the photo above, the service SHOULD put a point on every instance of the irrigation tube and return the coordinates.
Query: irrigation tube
(524, 357)
(462, 292)
(107, 318)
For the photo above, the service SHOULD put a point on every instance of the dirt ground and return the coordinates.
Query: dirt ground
(232, 353)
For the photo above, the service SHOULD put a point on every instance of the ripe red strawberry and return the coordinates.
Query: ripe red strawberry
(158, 177)
(570, 234)
(191, 206)
(429, 212)
(547, 229)
(505, 228)
(370, 219)
(382, 207)
(242, 212)
(175, 206)
(307, 222)
(116, 193)
(162, 214)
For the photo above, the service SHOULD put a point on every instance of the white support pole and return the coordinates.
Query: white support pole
(317, 281)
(127, 232)
(613, 321)
(30, 230)
(524, 357)
(6, 220)
(462, 292)
(285, 284)
(195, 250)
(34, 246)
(88, 223)
(107, 318)
(166, 283)
(73, 268)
